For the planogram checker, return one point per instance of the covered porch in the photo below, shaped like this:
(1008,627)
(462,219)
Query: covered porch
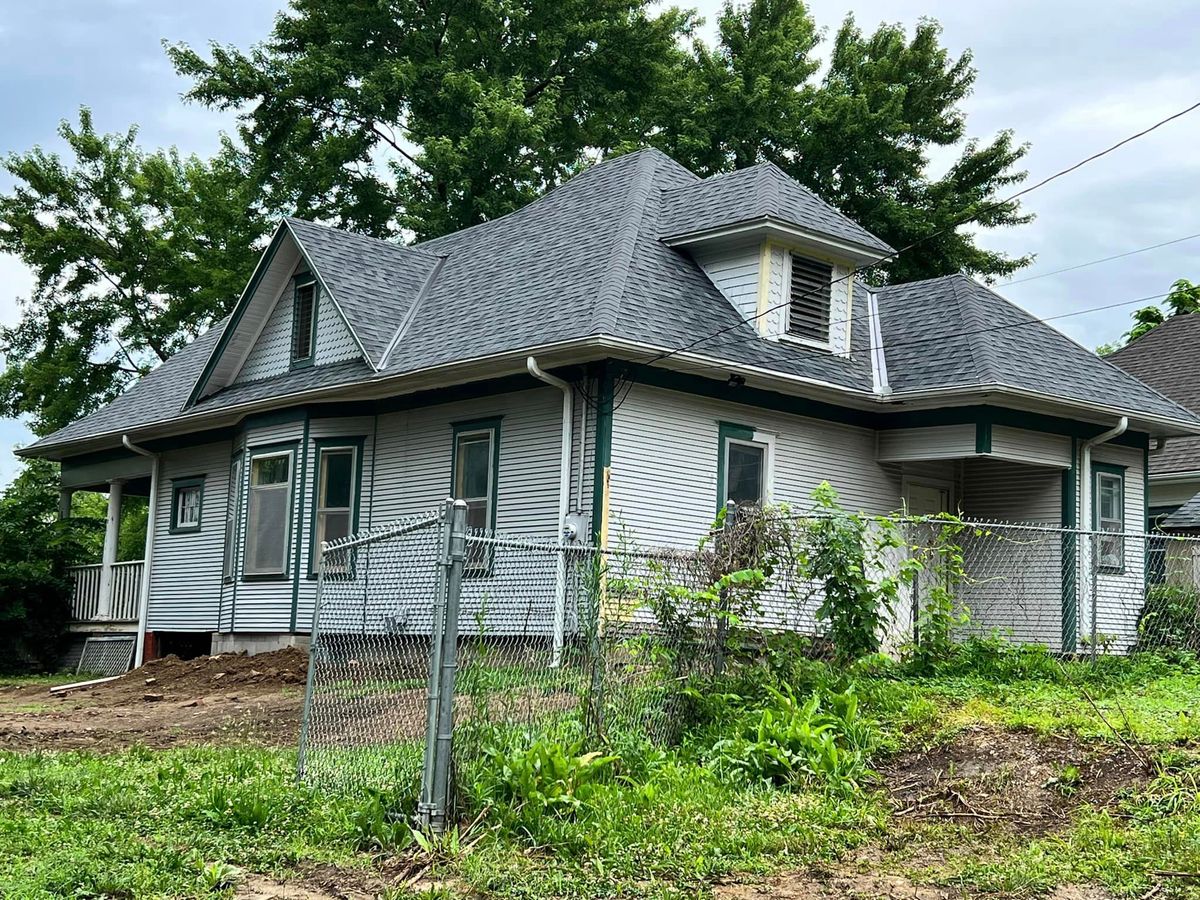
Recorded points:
(108,593)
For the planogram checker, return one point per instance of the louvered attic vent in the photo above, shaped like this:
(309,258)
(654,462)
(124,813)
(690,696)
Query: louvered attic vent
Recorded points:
(808,309)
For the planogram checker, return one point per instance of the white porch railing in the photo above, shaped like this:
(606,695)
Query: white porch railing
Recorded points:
(126,586)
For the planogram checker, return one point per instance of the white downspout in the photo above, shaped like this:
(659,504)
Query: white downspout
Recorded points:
(564,501)
(1086,518)
(139,650)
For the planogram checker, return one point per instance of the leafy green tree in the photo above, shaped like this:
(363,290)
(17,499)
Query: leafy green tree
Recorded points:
(426,116)
(35,550)
(861,136)
(133,253)
(432,115)
(1183,299)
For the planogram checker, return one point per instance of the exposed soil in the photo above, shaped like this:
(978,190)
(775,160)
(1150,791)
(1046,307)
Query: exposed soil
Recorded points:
(986,777)
(846,885)
(168,702)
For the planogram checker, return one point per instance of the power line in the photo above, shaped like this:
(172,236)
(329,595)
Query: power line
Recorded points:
(961,221)
(1096,262)
(955,335)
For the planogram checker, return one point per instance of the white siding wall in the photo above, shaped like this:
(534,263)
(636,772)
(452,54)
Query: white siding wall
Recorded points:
(1120,596)
(734,270)
(271,354)
(663,489)
(265,605)
(937,442)
(185,579)
(1033,447)
(1002,491)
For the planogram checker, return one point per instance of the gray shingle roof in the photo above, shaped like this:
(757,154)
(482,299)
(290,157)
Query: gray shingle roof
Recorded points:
(955,332)
(1186,518)
(757,192)
(375,283)
(1165,358)
(588,260)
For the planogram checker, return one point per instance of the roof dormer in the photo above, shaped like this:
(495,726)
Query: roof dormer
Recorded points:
(782,256)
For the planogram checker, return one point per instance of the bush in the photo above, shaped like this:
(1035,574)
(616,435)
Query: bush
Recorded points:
(1170,619)
(35,607)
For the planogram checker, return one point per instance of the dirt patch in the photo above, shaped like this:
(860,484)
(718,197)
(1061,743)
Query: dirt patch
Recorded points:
(986,777)
(320,881)
(845,885)
(168,702)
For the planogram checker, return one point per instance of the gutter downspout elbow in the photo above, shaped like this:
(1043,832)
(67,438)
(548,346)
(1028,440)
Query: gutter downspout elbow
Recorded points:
(1085,515)
(139,650)
(564,501)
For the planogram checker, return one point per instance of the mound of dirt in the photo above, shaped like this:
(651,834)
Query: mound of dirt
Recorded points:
(990,777)
(172,678)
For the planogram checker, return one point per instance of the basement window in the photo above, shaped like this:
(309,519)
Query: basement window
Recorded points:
(304,314)
(809,300)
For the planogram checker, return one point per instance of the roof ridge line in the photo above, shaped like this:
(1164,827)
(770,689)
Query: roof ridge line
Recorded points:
(381,242)
(411,313)
(616,271)
(980,352)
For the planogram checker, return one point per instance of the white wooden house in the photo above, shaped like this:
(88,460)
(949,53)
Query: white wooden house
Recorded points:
(640,341)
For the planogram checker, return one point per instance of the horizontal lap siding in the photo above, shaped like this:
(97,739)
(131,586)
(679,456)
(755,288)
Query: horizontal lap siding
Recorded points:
(1120,596)
(664,464)
(1031,446)
(412,475)
(735,272)
(1015,578)
(938,442)
(323,430)
(266,605)
(185,579)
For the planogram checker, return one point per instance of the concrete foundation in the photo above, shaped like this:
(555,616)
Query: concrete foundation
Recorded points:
(250,644)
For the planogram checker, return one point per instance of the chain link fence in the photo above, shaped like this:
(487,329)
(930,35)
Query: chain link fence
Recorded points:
(431,641)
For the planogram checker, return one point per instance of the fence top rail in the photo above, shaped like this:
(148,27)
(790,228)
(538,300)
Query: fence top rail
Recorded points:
(384,532)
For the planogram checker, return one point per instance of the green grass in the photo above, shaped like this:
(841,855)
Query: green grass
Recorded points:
(660,823)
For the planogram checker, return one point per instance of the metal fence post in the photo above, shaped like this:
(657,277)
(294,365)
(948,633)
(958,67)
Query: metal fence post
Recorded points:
(314,655)
(426,808)
(1094,588)
(445,715)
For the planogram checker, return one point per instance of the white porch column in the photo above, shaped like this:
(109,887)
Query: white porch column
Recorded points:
(112,532)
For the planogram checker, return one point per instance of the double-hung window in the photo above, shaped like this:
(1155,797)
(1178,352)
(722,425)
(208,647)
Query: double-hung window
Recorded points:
(304,314)
(476,464)
(1109,504)
(743,466)
(268,513)
(187,500)
(337,468)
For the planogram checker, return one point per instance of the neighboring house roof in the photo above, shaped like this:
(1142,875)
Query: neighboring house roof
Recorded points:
(1165,358)
(955,332)
(587,263)
(1186,518)
(759,192)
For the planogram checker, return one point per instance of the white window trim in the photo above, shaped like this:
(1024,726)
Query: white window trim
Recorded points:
(318,509)
(287,519)
(490,434)
(180,493)
(763,439)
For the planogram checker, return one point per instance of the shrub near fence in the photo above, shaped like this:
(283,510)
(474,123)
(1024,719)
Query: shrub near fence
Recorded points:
(433,645)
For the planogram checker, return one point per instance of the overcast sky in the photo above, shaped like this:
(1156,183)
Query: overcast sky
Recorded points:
(1068,77)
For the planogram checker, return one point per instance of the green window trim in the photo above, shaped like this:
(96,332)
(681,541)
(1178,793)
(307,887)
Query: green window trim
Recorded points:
(1110,470)
(178,485)
(727,431)
(233,517)
(481,567)
(321,446)
(300,283)
(252,454)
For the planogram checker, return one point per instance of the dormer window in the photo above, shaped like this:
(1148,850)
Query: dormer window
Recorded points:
(304,310)
(810,300)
